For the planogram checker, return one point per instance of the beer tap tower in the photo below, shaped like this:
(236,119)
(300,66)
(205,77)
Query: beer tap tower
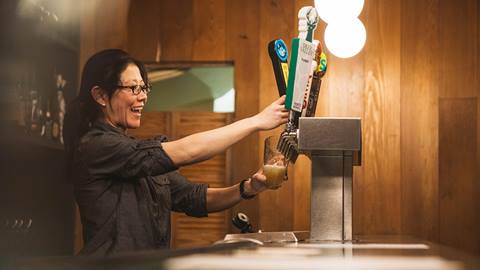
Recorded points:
(333,144)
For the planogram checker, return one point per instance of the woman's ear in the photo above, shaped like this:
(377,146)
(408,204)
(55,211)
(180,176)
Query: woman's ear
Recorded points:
(99,95)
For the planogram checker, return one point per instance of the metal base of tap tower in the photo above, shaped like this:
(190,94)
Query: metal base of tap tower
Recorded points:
(334,147)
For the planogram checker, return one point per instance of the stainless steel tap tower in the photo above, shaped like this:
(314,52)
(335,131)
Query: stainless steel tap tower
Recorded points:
(334,146)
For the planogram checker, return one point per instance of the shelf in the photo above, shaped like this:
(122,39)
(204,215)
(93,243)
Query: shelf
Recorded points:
(40,141)
(16,135)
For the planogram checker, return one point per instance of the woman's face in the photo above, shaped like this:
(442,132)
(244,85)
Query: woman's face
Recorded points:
(124,108)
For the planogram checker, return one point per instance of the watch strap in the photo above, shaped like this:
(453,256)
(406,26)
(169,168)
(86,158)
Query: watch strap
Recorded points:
(242,191)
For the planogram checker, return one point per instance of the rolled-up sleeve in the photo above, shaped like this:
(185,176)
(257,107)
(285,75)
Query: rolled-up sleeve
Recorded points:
(126,157)
(187,197)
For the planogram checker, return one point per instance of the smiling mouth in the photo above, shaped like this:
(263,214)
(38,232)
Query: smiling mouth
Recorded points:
(137,109)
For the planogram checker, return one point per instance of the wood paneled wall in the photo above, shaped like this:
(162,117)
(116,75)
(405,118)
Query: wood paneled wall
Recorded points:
(439,121)
(415,85)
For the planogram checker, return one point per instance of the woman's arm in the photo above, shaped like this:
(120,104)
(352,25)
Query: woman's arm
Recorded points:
(219,199)
(204,145)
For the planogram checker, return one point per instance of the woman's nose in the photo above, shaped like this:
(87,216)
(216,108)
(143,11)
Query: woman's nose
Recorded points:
(142,96)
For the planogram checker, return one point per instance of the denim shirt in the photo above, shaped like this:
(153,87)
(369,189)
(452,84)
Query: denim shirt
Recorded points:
(125,189)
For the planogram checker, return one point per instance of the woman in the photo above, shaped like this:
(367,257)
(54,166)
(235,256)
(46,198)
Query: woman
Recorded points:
(126,187)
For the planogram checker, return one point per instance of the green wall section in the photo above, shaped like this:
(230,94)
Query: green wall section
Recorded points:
(195,90)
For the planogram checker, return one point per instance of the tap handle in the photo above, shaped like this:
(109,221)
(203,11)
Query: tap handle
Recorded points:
(278,52)
(241,222)
(320,68)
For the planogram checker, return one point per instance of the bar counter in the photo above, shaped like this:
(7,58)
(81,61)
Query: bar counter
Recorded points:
(395,252)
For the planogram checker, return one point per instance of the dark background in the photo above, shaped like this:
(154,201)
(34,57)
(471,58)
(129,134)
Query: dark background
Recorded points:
(38,41)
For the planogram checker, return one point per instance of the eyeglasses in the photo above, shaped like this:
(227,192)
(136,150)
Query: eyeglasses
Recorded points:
(136,89)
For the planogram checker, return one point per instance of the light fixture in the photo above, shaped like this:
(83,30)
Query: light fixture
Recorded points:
(345,38)
(345,34)
(332,10)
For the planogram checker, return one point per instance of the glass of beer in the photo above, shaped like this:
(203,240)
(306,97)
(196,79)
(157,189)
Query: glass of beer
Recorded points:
(274,164)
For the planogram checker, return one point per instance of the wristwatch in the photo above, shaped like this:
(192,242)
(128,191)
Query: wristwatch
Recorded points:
(242,191)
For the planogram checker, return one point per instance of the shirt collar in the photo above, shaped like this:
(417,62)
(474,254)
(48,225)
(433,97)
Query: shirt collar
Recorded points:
(101,125)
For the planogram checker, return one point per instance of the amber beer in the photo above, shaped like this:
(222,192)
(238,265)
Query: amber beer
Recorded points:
(274,166)
(275,175)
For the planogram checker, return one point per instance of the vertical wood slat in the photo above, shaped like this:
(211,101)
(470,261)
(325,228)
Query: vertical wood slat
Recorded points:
(144,30)
(458,173)
(176,30)
(458,46)
(377,182)
(419,126)
(275,23)
(242,23)
(458,124)
(87,24)
(153,124)
(477,183)
(209,30)
(212,172)
(195,232)
(300,174)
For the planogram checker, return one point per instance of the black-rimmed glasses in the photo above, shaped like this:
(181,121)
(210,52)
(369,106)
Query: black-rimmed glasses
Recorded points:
(136,89)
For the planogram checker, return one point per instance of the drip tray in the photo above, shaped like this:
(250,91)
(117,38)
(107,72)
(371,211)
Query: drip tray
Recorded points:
(268,237)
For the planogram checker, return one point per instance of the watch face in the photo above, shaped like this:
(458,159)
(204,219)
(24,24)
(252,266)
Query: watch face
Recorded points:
(281,50)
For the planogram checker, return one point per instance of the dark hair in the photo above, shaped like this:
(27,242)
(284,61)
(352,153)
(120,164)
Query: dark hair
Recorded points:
(103,69)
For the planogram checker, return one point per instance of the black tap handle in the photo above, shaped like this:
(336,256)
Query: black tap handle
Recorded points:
(278,52)
(241,222)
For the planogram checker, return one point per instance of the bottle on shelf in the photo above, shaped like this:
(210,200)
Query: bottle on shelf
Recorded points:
(58,124)
(40,116)
(47,123)
(20,94)
(35,112)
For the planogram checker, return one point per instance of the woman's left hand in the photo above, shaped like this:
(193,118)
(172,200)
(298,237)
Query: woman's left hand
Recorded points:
(257,183)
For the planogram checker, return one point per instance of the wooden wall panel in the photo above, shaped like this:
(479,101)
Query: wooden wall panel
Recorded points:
(209,30)
(196,232)
(442,44)
(242,48)
(144,30)
(190,231)
(458,173)
(419,113)
(103,25)
(457,39)
(458,125)
(154,124)
(477,79)
(275,23)
(376,184)
(300,174)
(176,30)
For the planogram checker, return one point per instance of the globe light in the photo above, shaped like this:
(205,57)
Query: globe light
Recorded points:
(332,10)
(345,38)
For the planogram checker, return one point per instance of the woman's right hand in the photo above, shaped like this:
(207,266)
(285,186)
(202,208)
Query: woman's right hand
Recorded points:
(272,116)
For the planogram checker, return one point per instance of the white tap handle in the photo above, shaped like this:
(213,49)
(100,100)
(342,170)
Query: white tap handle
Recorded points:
(307,21)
